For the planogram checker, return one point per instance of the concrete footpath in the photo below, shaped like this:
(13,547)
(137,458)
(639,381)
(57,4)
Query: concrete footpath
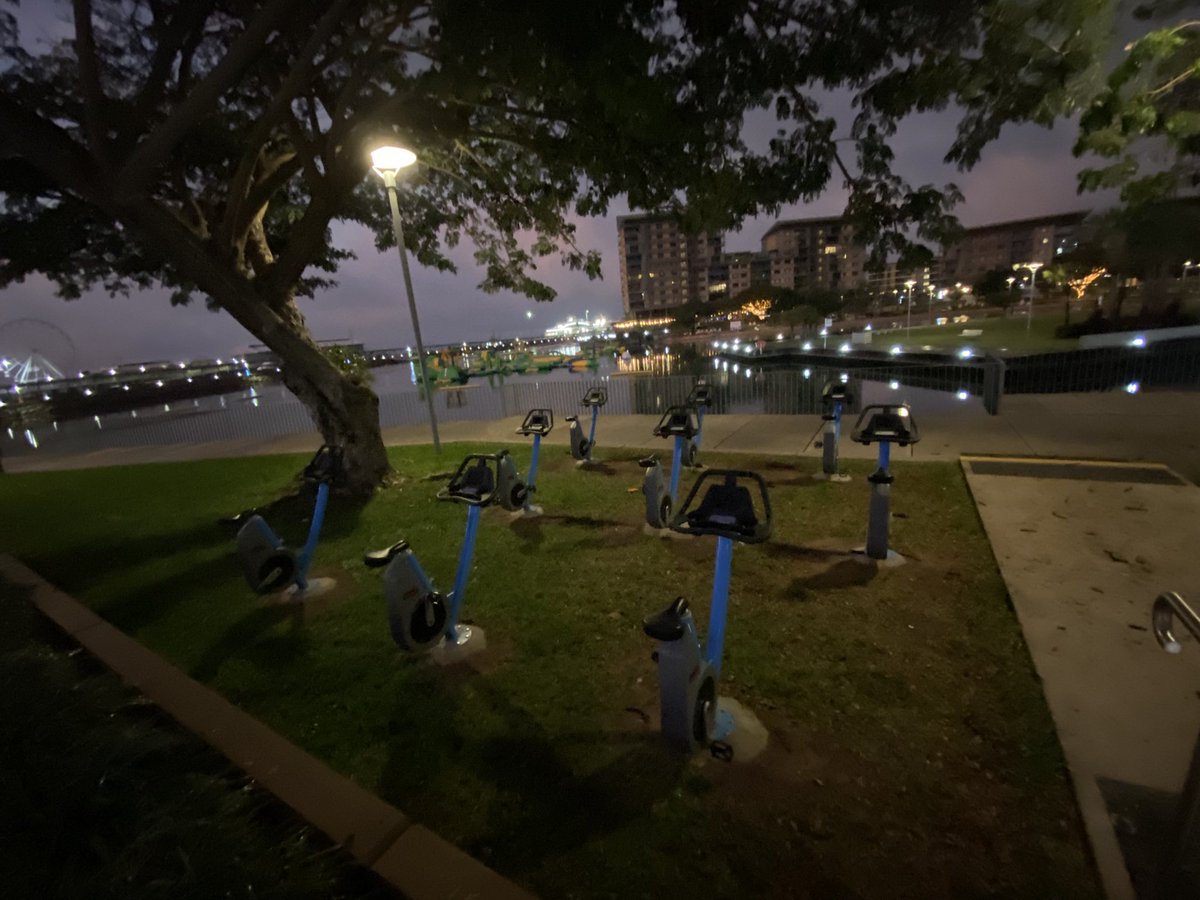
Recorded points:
(1159,427)
(1084,549)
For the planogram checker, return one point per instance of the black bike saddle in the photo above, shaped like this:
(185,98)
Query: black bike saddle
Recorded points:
(377,559)
(667,625)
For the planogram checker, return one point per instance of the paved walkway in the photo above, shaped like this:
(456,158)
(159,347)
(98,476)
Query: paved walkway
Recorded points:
(1083,559)
(1160,427)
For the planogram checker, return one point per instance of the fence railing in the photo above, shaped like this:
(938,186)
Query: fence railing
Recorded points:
(784,383)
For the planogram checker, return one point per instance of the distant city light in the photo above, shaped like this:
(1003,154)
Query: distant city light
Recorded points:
(160,384)
(747,373)
(894,384)
(845,348)
(807,345)
(1138,341)
(1133,387)
(868,328)
(965,353)
(896,350)
(844,377)
(808,373)
(962,394)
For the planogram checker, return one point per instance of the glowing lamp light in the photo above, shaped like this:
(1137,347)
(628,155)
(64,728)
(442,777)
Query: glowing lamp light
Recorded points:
(747,373)
(844,377)
(807,345)
(868,328)
(894,384)
(808,373)
(1133,387)
(1138,341)
(962,394)
(964,353)
(391,159)
(896,350)
(845,348)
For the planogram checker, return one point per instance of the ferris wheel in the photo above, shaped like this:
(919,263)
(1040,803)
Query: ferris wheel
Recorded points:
(33,351)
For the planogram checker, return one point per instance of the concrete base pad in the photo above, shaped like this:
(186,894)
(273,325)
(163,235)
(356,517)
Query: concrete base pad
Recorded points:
(471,641)
(893,558)
(749,737)
(650,531)
(317,587)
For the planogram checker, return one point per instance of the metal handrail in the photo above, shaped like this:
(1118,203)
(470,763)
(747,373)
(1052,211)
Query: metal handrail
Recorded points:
(1167,607)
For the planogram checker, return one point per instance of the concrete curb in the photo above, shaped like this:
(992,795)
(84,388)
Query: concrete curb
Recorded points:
(414,860)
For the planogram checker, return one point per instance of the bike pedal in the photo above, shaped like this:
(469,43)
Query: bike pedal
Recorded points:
(721,750)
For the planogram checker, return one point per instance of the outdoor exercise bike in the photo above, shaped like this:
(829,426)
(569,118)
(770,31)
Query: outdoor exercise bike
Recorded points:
(692,716)
(419,616)
(511,491)
(682,423)
(270,565)
(700,398)
(835,397)
(539,423)
(581,447)
(883,424)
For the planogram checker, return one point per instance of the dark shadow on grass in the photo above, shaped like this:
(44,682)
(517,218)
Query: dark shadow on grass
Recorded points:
(529,531)
(250,638)
(289,516)
(780,550)
(146,604)
(560,810)
(800,480)
(556,809)
(845,574)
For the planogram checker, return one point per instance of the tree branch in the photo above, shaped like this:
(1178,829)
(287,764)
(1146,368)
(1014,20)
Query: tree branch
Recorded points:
(89,81)
(142,164)
(50,150)
(305,239)
(298,77)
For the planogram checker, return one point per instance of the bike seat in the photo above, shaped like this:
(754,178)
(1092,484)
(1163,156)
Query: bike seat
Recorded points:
(727,507)
(649,462)
(377,559)
(667,625)
(572,418)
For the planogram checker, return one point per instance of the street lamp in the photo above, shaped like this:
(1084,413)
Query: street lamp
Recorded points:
(1187,266)
(387,162)
(1033,270)
(908,305)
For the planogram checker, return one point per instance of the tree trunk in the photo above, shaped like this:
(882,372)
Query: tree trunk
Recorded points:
(345,411)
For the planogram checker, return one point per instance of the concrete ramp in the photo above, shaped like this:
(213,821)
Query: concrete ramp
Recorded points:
(1084,547)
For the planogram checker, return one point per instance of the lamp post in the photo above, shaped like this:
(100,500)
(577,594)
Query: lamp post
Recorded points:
(1033,270)
(1187,266)
(387,162)
(908,307)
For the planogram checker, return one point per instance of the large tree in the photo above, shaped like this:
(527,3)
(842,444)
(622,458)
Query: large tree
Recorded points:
(208,145)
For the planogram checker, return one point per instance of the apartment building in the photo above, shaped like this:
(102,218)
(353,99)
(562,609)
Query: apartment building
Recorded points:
(1004,244)
(811,254)
(661,266)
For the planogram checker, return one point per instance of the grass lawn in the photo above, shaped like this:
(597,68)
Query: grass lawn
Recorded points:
(103,797)
(911,751)
(1002,335)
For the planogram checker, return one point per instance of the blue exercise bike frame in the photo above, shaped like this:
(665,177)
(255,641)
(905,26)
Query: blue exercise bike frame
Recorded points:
(267,563)
(692,716)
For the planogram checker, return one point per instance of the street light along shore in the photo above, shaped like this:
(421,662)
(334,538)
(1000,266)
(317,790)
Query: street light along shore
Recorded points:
(387,161)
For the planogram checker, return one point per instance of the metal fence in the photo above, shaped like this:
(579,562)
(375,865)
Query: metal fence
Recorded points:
(788,383)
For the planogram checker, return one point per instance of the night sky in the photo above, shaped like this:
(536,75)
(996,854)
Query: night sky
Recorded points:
(1029,171)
